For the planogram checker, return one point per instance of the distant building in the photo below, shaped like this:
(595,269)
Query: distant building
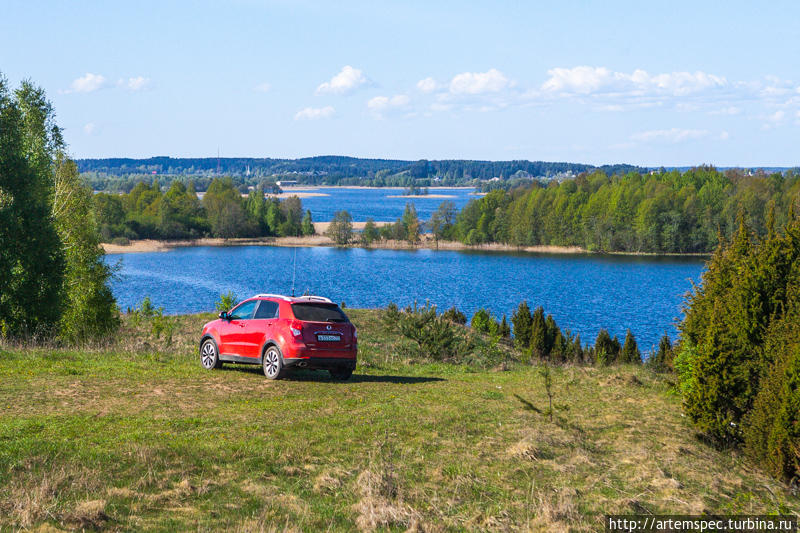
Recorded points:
(286,183)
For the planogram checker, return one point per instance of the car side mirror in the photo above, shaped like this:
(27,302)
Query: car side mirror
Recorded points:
(224,315)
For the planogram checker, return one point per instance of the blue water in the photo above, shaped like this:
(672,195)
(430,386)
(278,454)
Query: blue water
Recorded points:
(583,293)
(376,203)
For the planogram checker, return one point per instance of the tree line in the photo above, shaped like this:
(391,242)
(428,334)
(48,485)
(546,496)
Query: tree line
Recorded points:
(535,336)
(654,212)
(148,212)
(53,280)
(123,173)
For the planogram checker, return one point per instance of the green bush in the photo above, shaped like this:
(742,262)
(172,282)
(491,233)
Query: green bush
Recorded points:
(120,241)
(483,321)
(226,301)
(454,315)
(435,337)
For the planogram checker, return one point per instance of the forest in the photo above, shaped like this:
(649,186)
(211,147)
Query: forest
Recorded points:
(147,212)
(120,174)
(658,212)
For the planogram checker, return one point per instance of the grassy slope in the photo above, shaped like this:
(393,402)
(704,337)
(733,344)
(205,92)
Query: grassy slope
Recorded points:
(139,436)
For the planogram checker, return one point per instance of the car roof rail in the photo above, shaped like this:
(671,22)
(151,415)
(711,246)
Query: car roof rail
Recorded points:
(315,298)
(281,296)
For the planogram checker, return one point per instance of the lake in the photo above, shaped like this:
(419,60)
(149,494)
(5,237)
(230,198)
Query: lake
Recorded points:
(583,292)
(376,203)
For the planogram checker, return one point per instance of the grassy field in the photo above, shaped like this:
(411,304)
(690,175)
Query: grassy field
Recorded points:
(137,436)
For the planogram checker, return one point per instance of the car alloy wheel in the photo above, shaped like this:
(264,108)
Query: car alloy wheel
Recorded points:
(208,355)
(272,363)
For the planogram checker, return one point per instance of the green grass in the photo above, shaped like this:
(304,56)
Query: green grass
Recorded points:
(136,435)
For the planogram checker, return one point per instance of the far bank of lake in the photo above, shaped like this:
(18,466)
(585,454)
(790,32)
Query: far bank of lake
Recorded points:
(320,239)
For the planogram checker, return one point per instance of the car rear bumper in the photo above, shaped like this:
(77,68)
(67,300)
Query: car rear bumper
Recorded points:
(348,362)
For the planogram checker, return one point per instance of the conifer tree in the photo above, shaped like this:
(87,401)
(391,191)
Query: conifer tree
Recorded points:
(308,224)
(505,329)
(538,342)
(630,351)
(606,349)
(577,350)
(553,332)
(522,321)
(661,361)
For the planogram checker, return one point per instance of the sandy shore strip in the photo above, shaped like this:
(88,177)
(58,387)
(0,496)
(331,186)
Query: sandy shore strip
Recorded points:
(427,242)
(299,194)
(421,196)
(290,188)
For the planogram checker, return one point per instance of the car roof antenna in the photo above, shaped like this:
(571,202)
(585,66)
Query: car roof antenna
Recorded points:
(294,269)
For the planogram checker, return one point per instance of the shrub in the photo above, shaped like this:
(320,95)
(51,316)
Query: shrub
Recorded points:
(435,337)
(483,321)
(391,316)
(226,301)
(455,316)
(120,241)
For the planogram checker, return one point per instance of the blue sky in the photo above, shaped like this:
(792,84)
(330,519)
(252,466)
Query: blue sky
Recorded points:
(650,83)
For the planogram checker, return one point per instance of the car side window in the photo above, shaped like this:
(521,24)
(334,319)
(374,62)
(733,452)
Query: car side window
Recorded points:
(267,309)
(244,311)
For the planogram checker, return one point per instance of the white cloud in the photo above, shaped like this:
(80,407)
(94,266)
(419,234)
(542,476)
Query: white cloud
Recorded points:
(139,83)
(314,113)
(89,128)
(673,135)
(730,110)
(262,87)
(491,81)
(428,85)
(381,104)
(582,80)
(88,83)
(346,81)
(777,116)
(586,80)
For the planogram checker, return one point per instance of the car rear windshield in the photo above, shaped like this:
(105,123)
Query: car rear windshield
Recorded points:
(319,312)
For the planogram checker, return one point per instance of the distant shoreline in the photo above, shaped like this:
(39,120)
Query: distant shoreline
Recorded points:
(427,243)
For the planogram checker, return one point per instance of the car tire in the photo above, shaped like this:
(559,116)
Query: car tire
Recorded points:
(272,363)
(209,355)
(341,374)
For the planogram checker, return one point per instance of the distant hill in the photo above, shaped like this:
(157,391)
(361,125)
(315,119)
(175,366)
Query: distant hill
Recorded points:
(332,169)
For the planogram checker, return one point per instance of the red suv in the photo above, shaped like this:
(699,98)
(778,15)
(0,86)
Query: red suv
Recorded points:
(279,332)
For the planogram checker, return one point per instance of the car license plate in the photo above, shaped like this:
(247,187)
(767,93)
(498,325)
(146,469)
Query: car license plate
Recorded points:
(329,338)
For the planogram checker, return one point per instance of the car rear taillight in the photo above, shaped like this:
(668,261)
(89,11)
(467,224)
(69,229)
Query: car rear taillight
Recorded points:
(296,328)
